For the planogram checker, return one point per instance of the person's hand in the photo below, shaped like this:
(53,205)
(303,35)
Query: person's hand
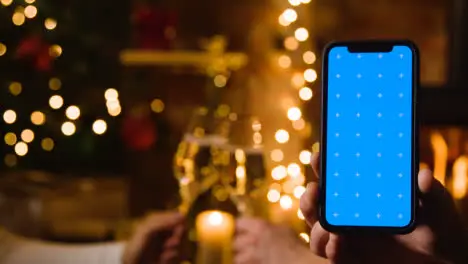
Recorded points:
(155,240)
(259,242)
(439,234)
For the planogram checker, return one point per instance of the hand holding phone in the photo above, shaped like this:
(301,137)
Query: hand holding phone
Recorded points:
(369,150)
(439,237)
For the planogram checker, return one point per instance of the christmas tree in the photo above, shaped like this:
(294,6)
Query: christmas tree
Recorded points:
(58,101)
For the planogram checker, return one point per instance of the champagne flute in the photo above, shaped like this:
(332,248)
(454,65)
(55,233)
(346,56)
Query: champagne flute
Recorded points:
(242,165)
(193,159)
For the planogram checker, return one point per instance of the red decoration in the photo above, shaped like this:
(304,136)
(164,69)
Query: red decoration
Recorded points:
(35,48)
(139,132)
(154,28)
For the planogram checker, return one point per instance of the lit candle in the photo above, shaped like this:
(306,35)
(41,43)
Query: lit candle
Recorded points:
(214,230)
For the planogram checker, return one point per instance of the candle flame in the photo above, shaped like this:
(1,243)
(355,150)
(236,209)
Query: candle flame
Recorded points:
(440,149)
(460,168)
(215,219)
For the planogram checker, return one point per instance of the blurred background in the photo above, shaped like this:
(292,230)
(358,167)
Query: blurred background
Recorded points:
(100,100)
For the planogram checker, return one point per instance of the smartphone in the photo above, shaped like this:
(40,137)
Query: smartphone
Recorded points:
(369,150)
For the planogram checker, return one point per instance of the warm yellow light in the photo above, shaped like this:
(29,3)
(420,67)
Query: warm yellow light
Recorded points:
(284,61)
(305,93)
(290,15)
(6,2)
(220,80)
(47,144)
(282,21)
(11,160)
(55,51)
(275,186)
(257,138)
(38,118)
(9,116)
(10,138)
(56,101)
(3,49)
(440,150)
(282,136)
(300,215)
(73,112)
(291,43)
(288,187)
(294,2)
(55,84)
(305,237)
(276,155)
(30,11)
(460,177)
(29,1)
(157,106)
(18,18)
(68,128)
(273,196)
(224,110)
(215,218)
(114,111)
(305,157)
(294,170)
(294,113)
(310,75)
(21,148)
(299,191)
(297,80)
(301,34)
(27,135)
(423,166)
(316,147)
(306,1)
(279,172)
(286,202)
(299,124)
(99,126)
(111,94)
(50,23)
(309,57)
(15,88)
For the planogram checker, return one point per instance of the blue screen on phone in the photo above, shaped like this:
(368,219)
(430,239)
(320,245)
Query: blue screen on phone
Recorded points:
(369,138)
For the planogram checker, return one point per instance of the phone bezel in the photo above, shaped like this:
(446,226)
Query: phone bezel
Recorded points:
(362,47)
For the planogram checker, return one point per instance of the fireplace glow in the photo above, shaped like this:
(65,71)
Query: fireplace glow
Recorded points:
(440,149)
(459,183)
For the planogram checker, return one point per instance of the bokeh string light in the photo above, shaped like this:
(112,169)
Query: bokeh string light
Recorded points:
(23,13)
(289,179)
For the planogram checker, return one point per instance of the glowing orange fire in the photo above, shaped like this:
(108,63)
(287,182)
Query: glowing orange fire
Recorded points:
(459,184)
(440,150)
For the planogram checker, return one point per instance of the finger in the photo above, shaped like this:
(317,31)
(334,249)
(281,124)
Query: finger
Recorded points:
(156,223)
(169,256)
(250,225)
(308,203)
(162,220)
(244,241)
(425,180)
(315,163)
(172,242)
(318,240)
(247,256)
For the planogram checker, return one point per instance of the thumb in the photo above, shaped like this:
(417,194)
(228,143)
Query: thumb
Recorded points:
(308,203)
